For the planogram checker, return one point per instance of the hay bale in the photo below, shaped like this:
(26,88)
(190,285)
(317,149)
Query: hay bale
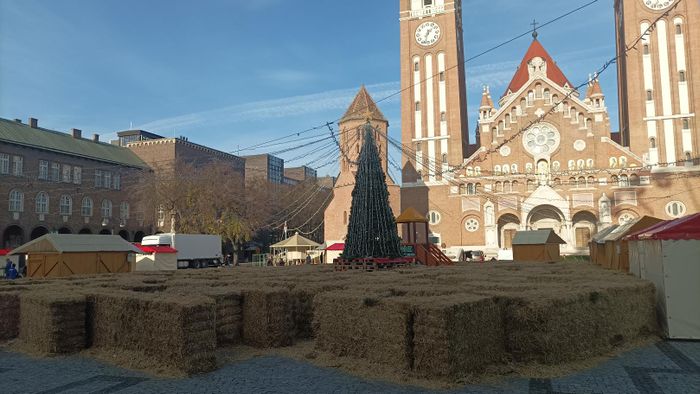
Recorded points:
(361,325)
(268,319)
(456,336)
(229,314)
(9,316)
(584,324)
(53,322)
(172,332)
(303,307)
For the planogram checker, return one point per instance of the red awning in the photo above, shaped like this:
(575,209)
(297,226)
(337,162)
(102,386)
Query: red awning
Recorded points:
(336,247)
(156,249)
(685,228)
(4,252)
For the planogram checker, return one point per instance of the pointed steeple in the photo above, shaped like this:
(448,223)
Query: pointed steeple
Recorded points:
(363,107)
(486,101)
(553,71)
(594,89)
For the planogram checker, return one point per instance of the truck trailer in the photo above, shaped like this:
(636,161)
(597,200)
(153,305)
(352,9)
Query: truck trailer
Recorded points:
(193,250)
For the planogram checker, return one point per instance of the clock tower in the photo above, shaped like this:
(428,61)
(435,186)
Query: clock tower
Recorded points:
(659,91)
(433,100)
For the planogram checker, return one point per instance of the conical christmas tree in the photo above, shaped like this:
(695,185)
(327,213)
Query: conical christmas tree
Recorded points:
(372,231)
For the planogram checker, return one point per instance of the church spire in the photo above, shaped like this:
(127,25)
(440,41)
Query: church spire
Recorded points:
(486,106)
(363,107)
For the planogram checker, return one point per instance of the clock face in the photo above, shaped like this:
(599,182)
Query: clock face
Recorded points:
(658,4)
(427,34)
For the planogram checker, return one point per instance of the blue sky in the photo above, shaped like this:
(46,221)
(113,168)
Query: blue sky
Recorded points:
(233,73)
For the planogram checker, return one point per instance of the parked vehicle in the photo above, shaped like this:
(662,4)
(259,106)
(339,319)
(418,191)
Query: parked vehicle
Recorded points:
(193,250)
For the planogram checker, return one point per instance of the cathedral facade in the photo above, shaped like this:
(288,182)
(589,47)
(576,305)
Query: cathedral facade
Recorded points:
(545,155)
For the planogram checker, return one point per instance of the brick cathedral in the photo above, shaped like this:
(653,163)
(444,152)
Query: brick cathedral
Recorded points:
(545,155)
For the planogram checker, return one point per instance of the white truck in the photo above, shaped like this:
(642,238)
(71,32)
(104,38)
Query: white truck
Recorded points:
(193,250)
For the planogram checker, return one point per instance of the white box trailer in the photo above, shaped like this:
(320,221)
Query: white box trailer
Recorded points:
(193,250)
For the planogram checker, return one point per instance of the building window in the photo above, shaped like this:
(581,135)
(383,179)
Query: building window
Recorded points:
(443,117)
(497,170)
(652,143)
(634,180)
(624,181)
(686,124)
(66,173)
(471,225)
(675,209)
(77,175)
(591,181)
(417,106)
(55,172)
(623,162)
(107,182)
(681,76)
(43,170)
(530,98)
(613,162)
(427,3)
(98,179)
(513,168)
(117,182)
(547,96)
(42,203)
(106,210)
(679,29)
(66,206)
(16,201)
(18,165)
(650,95)
(530,185)
(416,66)
(86,208)
(471,189)
(477,171)
(434,217)
(4,163)
(646,49)
(581,183)
(124,211)
(442,76)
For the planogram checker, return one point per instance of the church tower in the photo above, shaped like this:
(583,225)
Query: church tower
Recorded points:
(433,100)
(658,91)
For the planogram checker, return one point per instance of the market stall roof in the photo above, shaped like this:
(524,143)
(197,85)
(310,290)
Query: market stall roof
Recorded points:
(685,228)
(77,243)
(411,215)
(599,237)
(4,252)
(632,227)
(538,237)
(336,247)
(296,242)
(156,249)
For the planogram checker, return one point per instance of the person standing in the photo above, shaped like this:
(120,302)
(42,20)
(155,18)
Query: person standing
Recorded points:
(12,273)
(8,265)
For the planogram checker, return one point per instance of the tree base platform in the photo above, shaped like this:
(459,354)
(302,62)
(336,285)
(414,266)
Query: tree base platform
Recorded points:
(372,264)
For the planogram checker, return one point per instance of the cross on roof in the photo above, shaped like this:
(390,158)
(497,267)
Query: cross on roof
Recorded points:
(534,25)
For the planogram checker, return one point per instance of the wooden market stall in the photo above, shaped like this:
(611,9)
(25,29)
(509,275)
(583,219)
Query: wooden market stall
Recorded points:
(156,258)
(617,248)
(295,248)
(667,255)
(60,255)
(596,246)
(415,232)
(537,246)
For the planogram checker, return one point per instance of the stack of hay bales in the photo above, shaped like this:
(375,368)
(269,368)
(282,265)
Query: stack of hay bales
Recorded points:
(52,322)
(9,316)
(268,319)
(170,332)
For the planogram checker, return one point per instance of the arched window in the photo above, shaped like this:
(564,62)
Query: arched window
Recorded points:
(499,187)
(613,162)
(514,186)
(528,168)
(462,189)
(477,171)
(507,187)
(124,210)
(589,163)
(589,123)
(572,182)
(634,180)
(547,97)
(497,170)
(523,104)
(42,203)
(623,162)
(513,168)
(434,217)
(106,210)
(471,190)
(614,180)
(470,171)
(444,158)
(652,143)
(66,205)
(580,164)
(86,207)
(624,181)
(16,201)
(477,187)
(557,182)
(581,182)
(591,182)
(505,169)
(556,166)
(572,165)
(530,98)
(507,119)
(530,185)
(513,114)
(675,209)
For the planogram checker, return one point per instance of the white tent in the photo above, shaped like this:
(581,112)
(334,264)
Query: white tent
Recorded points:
(667,255)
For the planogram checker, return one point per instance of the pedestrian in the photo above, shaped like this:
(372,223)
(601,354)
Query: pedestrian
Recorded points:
(308,259)
(8,265)
(12,272)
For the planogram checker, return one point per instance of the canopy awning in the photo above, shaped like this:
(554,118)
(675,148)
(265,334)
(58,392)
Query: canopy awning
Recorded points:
(685,228)
(4,252)
(336,247)
(296,242)
(156,249)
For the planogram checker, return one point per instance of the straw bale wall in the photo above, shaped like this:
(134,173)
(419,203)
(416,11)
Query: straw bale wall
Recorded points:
(268,319)
(52,322)
(9,316)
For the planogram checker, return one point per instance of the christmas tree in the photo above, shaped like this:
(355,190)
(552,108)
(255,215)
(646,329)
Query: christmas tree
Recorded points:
(372,231)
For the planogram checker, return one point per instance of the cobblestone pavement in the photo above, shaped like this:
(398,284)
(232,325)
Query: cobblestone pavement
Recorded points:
(667,367)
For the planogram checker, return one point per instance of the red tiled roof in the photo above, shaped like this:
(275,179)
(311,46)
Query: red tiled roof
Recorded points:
(362,107)
(522,76)
(594,89)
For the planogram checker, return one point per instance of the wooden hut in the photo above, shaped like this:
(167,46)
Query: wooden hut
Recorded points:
(597,245)
(617,248)
(537,246)
(60,255)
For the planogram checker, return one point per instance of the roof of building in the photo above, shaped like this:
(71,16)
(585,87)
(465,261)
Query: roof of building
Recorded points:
(486,101)
(599,237)
(39,138)
(594,89)
(522,75)
(411,215)
(336,247)
(631,227)
(538,237)
(362,107)
(685,228)
(296,241)
(76,243)
(4,252)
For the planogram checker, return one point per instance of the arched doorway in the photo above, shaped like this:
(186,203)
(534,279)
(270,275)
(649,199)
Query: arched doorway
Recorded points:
(584,228)
(12,237)
(64,230)
(138,237)
(85,231)
(546,217)
(508,225)
(124,234)
(38,232)
(105,232)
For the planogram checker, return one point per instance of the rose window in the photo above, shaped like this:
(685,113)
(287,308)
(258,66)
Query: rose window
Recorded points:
(471,225)
(541,139)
